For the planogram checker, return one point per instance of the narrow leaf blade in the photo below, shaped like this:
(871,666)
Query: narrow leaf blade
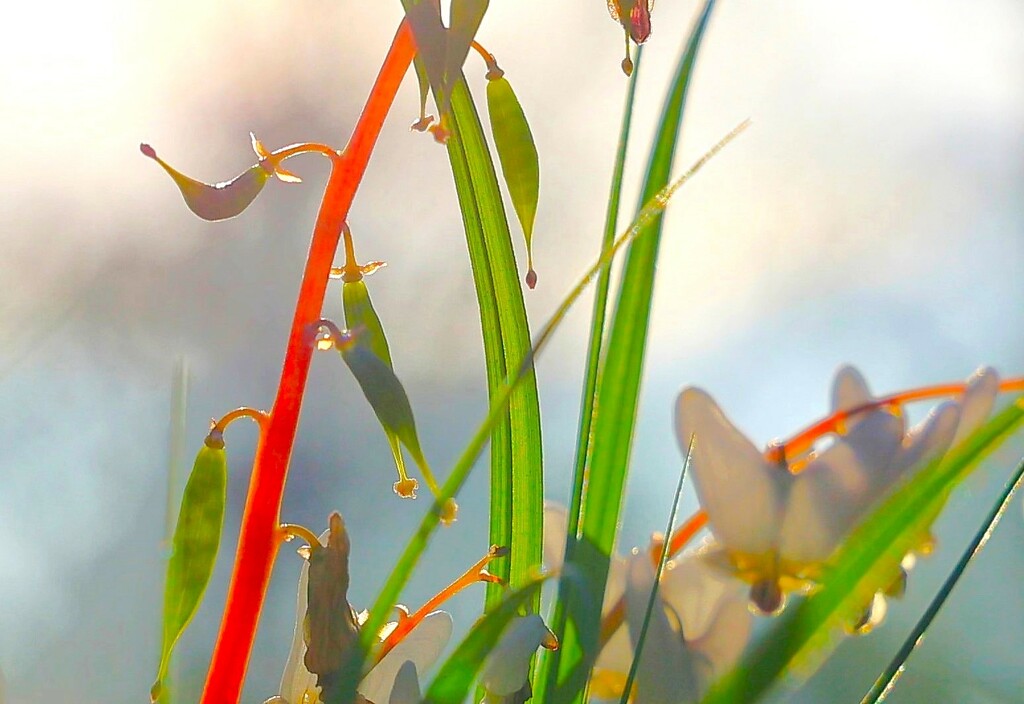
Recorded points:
(619,387)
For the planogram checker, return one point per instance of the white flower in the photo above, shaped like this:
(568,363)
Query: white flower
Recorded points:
(699,630)
(776,526)
(393,680)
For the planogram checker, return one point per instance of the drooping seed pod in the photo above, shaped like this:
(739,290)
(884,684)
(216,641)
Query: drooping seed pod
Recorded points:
(517,153)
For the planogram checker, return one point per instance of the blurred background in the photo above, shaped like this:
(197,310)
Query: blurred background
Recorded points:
(872,214)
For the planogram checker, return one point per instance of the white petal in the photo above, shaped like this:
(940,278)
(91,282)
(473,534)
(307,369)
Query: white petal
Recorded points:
(929,439)
(666,673)
(407,685)
(298,682)
(508,665)
(422,646)
(556,523)
(977,401)
(849,389)
(617,653)
(836,488)
(616,585)
(725,640)
(695,591)
(741,493)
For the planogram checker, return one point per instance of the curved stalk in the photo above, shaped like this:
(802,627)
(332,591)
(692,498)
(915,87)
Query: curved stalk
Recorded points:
(258,538)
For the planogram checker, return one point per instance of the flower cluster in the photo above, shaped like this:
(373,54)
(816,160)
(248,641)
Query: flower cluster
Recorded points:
(775,518)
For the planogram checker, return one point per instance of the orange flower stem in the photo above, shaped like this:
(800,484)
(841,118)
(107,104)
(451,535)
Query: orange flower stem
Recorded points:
(259,536)
(803,440)
(304,148)
(476,573)
(257,416)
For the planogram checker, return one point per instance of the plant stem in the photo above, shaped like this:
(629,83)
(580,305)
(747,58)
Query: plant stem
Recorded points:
(259,537)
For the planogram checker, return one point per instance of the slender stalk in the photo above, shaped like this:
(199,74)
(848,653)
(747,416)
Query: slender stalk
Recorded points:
(259,537)
(550,659)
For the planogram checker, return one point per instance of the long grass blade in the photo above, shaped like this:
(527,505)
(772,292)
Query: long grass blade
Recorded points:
(548,664)
(517,501)
(517,517)
(887,680)
(619,388)
(402,571)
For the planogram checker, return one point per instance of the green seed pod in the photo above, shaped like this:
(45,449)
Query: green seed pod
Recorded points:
(195,544)
(383,390)
(359,312)
(518,155)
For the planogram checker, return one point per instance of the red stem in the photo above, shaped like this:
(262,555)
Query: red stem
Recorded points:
(259,538)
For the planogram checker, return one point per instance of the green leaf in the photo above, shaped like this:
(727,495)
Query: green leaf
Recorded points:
(862,565)
(441,51)
(196,540)
(518,155)
(454,679)
(431,37)
(517,502)
(619,389)
(517,499)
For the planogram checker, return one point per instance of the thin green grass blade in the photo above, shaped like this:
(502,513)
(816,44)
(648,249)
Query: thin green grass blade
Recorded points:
(653,598)
(516,511)
(887,680)
(454,679)
(175,471)
(403,569)
(518,516)
(548,662)
(860,565)
(619,387)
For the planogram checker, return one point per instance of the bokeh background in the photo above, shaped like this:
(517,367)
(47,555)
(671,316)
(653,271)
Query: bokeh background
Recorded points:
(872,214)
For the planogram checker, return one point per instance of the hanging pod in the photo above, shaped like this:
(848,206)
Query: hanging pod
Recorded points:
(391,404)
(195,544)
(517,153)
(359,312)
(382,389)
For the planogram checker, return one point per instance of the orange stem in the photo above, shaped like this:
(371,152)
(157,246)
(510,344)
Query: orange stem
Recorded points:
(474,574)
(258,538)
(805,439)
